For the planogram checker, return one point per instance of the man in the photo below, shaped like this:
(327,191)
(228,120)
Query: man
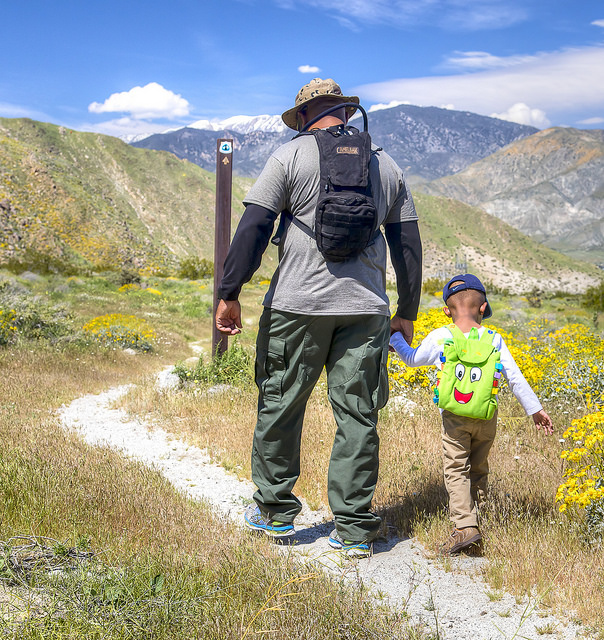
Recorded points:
(319,313)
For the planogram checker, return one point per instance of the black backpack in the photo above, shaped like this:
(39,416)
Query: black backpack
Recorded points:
(346,219)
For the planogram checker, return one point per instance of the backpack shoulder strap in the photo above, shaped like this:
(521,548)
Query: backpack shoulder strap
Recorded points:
(487,336)
(291,218)
(456,333)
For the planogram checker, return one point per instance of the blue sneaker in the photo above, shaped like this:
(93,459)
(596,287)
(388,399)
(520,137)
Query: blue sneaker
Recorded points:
(351,549)
(256,521)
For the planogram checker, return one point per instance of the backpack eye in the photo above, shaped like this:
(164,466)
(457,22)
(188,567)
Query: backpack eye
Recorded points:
(459,370)
(475,374)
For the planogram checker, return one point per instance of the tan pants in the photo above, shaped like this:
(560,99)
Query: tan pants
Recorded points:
(466,445)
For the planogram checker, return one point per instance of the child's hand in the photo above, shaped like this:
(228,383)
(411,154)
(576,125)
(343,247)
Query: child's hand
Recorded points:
(404,326)
(542,420)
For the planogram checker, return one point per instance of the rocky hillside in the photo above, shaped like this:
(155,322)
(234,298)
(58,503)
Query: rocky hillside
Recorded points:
(550,186)
(72,201)
(426,141)
(458,237)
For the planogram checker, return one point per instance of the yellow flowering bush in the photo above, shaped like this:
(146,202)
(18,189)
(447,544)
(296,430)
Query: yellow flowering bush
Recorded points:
(131,286)
(564,366)
(8,325)
(583,485)
(403,377)
(116,329)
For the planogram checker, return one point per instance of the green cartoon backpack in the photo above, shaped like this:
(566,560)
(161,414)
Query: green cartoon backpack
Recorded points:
(468,382)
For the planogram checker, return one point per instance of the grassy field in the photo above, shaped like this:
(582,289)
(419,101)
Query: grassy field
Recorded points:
(97,546)
(165,567)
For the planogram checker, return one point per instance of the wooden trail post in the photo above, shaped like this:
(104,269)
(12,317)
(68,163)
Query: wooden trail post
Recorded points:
(222,233)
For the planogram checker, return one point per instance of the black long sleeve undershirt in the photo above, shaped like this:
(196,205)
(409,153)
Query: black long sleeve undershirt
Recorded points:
(405,246)
(245,254)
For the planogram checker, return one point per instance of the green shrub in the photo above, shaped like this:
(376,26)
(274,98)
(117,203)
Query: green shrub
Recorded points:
(235,366)
(594,297)
(31,317)
(534,298)
(129,276)
(433,285)
(194,268)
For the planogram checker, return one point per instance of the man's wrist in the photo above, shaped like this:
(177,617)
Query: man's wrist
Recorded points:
(406,315)
(227,295)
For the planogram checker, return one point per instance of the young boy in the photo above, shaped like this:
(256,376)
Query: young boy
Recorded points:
(467,440)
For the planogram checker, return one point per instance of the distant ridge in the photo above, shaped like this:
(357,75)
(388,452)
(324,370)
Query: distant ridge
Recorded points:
(427,142)
(76,202)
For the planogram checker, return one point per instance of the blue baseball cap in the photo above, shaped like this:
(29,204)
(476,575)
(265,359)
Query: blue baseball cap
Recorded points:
(463,282)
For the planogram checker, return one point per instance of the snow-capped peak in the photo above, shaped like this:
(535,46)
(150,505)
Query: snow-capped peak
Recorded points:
(129,138)
(242,124)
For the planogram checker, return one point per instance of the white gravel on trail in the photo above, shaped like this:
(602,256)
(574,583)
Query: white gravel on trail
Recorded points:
(455,603)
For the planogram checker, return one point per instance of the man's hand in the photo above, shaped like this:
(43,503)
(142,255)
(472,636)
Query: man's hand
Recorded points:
(228,317)
(404,326)
(543,421)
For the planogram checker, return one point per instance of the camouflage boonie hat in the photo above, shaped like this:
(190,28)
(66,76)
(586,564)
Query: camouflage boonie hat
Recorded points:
(316,88)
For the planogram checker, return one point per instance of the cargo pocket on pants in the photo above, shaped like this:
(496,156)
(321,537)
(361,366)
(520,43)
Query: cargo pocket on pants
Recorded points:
(271,368)
(380,395)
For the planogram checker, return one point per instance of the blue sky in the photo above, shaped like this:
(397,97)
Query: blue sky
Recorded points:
(141,66)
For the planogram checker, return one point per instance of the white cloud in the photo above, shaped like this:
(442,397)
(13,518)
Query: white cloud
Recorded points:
(380,105)
(596,120)
(553,83)
(598,23)
(523,114)
(468,60)
(307,68)
(455,15)
(144,103)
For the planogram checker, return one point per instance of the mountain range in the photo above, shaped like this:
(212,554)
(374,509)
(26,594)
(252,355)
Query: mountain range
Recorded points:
(427,142)
(547,184)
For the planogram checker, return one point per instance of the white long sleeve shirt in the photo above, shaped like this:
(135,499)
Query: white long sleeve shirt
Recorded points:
(428,354)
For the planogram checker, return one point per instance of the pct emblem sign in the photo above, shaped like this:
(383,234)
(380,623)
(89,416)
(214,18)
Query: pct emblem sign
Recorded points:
(226,147)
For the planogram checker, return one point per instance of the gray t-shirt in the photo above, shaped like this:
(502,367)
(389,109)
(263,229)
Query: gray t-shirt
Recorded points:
(304,281)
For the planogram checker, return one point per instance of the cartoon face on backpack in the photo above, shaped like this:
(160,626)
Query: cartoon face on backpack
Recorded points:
(468,382)
(467,377)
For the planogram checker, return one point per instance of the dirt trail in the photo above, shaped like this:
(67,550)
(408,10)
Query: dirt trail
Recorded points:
(455,603)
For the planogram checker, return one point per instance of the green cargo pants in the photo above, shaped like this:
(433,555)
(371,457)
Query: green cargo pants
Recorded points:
(291,352)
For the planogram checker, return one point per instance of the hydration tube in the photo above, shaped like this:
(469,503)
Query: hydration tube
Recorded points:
(335,108)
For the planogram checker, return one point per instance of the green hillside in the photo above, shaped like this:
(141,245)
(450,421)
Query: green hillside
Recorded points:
(80,202)
(72,201)
(453,231)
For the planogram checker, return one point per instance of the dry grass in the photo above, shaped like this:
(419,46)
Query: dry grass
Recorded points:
(164,566)
(532,549)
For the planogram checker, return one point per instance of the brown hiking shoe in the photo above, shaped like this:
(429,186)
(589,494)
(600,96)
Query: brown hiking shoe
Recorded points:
(461,539)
